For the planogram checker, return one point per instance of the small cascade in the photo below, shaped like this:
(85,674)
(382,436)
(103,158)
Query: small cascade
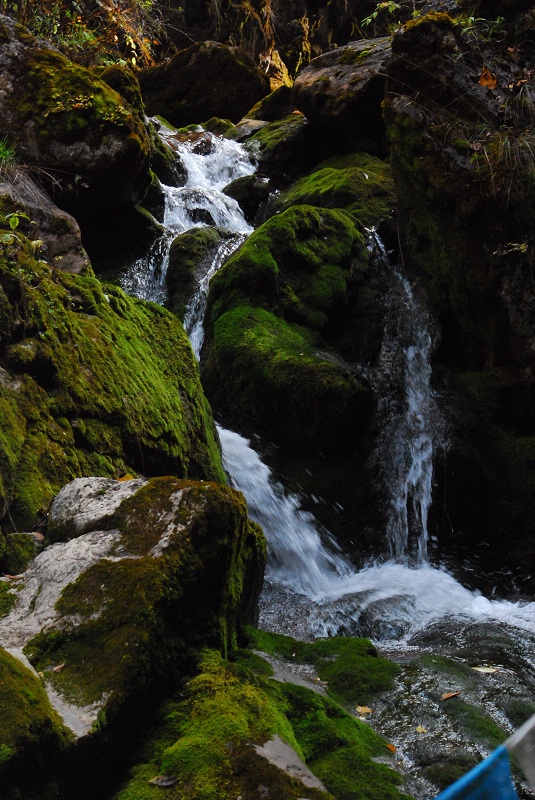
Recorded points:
(411,420)
(209,163)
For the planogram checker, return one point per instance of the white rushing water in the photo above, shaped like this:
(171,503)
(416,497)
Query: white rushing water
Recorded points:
(210,163)
(312,590)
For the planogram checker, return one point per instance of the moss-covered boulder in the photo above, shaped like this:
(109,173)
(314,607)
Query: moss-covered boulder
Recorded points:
(91,383)
(68,121)
(155,570)
(271,311)
(113,617)
(359,183)
(342,90)
(189,254)
(32,735)
(276,105)
(205,80)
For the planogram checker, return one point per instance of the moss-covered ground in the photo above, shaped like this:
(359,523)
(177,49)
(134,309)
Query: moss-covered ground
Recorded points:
(204,740)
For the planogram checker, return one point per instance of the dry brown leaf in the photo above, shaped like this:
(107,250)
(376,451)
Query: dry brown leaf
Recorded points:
(487,79)
(392,747)
(364,710)
(127,477)
(38,536)
(58,668)
(447,695)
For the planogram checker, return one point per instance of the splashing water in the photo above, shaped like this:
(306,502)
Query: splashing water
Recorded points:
(199,203)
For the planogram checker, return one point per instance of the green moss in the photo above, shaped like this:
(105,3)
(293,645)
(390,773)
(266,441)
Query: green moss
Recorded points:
(205,741)
(28,721)
(109,385)
(443,775)
(359,183)
(270,308)
(187,253)
(8,598)
(351,667)
(140,619)
(19,550)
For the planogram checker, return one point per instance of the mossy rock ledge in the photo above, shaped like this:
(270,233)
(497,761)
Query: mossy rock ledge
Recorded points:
(272,311)
(92,382)
(155,571)
(64,118)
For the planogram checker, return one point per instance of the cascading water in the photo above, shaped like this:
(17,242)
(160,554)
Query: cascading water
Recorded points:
(210,163)
(409,433)
(311,589)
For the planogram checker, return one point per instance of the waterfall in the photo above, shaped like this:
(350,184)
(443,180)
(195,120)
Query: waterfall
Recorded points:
(210,163)
(410,426)
(311,588)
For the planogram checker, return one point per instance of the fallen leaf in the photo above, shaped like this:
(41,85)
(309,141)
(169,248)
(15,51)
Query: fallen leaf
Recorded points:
(12,577)
(38,536)
(163,780)
(421,729)
(487,79)
(486,669)
(392,747)
(364,710)
(127,477)
(59,668)
(447,695)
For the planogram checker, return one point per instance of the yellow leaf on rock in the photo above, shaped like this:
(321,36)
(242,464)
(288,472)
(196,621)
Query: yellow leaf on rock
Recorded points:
(364,710)
(392,747)
(127,477)
(421,729)
(447,695)
(486,669)
(487,79)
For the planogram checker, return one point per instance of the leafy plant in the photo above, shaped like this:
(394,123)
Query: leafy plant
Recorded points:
(389,5)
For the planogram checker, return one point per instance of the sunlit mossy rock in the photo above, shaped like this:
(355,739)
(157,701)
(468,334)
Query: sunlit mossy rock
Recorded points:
(70,123)
(342,90)
(189,258)
(114,615)
(92,382)
(274,311)
(462,161)
(32,735)
(205,80)
(359,183)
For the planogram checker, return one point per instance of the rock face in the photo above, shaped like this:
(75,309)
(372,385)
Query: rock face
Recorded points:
(459,115)
(91,382)
(67,121)
(205,80)
(155,571)
(58,232)
(342,90)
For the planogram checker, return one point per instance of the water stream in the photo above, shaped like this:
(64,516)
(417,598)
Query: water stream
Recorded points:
(311,589)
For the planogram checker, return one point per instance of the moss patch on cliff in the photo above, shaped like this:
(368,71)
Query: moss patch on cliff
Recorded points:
(92,382)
